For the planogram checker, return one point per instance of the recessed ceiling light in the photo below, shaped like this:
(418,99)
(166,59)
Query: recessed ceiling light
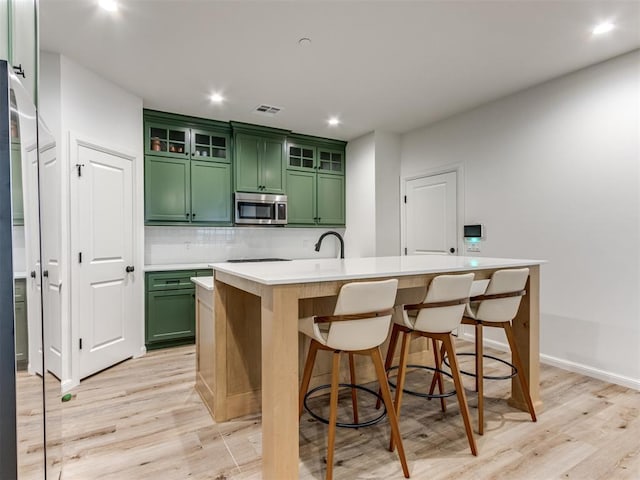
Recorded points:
(603,27)
(333,121)
(216,98)
(109,5)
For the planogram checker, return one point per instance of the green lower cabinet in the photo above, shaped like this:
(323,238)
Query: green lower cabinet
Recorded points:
(166,189)
(210,192)
(330,198)
(21,331)
(301,197)
(170,308)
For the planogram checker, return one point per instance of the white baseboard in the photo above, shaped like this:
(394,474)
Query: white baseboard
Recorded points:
(566,365)
(141,353)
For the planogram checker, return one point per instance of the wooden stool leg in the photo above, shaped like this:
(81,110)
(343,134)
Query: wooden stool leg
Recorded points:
(515,356)
(333,413)
(437,375)
(462,399)
(480,376)
(354,394)
(386,396)
(402,371)
(391,351)
(306,376)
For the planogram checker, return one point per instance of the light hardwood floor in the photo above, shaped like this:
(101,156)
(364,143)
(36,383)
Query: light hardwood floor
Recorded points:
(142,419)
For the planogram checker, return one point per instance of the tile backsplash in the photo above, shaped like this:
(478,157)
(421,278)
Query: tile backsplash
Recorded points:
(168,245)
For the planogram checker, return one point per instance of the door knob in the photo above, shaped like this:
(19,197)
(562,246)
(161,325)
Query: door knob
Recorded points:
(129,268)
(452,250)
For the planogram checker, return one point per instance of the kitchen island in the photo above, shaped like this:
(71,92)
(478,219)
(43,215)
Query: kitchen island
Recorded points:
(256,307)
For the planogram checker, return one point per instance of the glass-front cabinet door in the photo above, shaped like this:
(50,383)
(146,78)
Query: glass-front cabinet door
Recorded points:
(209,146)
(300,157)
(330,161)
(165,140)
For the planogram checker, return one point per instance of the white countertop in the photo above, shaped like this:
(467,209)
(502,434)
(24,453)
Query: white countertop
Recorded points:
(322,270)
(175,266)
(204,282)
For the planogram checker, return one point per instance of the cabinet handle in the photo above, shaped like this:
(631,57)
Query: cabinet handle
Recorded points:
(33,274)
(319,219)
(187,215)
(193,215)
(129,269)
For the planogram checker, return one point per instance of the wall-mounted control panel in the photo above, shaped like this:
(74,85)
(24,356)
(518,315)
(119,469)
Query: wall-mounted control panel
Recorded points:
(473,234)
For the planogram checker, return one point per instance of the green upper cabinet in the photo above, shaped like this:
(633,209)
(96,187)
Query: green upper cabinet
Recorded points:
(210,146)
(166,141)
(301,197)
(210,192)
(315,181)
(166,189)
(187,170)
(301,157)
(330,199)
(259,164)
(330,161)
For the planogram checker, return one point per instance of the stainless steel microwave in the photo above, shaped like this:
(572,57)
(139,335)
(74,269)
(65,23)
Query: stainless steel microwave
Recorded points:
(260,209)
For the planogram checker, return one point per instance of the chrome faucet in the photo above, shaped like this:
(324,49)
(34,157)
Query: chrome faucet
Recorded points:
(331,232)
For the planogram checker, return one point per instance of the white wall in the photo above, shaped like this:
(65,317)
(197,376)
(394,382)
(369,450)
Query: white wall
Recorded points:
(387,193)
(553,172)
(360,235)
(76,101)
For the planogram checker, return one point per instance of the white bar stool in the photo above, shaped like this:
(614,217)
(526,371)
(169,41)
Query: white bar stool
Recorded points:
(495,303)
(439,314)
(359,325)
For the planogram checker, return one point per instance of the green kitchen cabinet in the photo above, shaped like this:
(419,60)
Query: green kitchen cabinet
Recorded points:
(21,331)
(330,199)
(331,161)
(259,163)
(301,197)
(170,308)
(210,192)
(167,189)
(16,184)
(315,181)
(301,157)
(210,146)
(165,140)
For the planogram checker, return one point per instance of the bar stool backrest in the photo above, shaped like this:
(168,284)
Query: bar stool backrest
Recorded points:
(502,309)
(362,297)
(442,289)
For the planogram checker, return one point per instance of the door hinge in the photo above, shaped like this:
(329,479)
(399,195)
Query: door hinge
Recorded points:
(80,342)
(79,167)
(405,250)
(79,257)
(405,199)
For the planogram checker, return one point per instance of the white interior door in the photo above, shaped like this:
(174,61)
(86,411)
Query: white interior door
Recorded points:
(32,253)
(50,219)
(104,202)
(430,214)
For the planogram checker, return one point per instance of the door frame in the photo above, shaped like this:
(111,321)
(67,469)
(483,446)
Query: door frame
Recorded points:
(456,168)
(75,141)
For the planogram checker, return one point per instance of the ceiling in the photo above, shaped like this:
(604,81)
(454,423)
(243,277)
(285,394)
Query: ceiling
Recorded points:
(377,65)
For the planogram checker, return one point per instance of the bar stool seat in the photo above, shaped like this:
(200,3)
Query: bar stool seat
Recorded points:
(359,325)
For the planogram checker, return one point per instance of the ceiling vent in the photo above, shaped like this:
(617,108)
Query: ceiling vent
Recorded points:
(268,110)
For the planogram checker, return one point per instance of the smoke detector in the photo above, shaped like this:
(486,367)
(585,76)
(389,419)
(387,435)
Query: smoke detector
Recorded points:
(268,110)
